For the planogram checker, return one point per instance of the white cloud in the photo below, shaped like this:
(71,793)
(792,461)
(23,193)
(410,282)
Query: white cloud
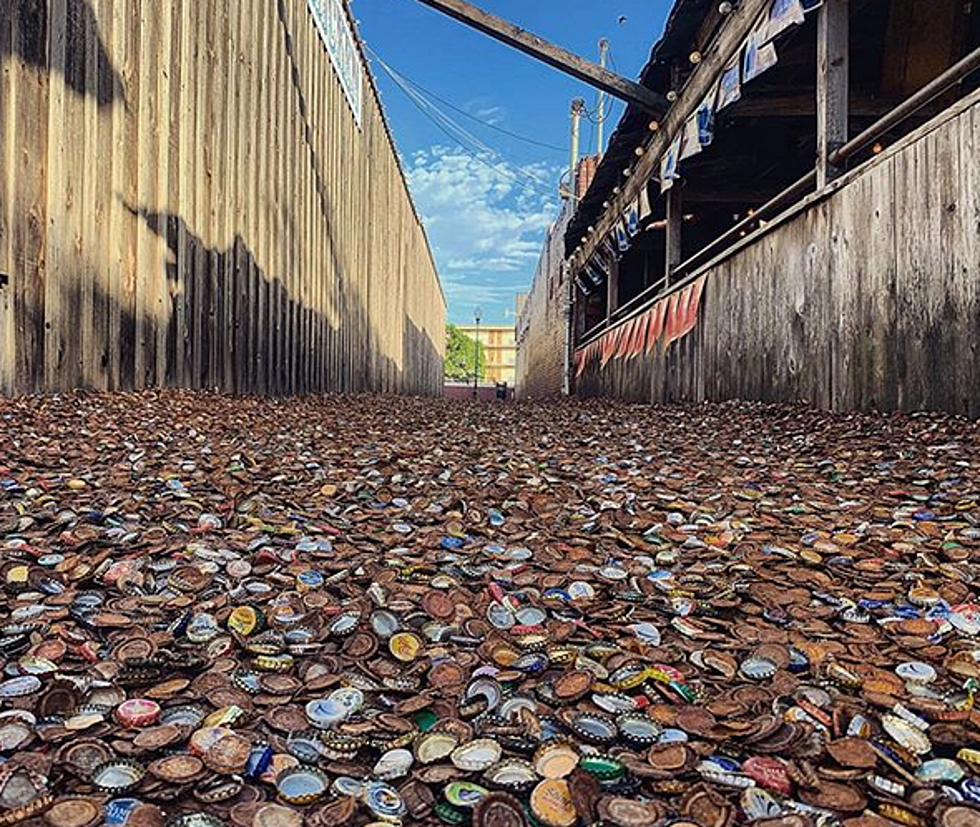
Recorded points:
(486,110)
(486,222)
(493,115)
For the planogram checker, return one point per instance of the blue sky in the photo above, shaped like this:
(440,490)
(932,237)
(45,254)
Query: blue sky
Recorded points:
(486,216)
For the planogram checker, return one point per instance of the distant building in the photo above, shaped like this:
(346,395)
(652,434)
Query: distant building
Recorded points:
(499,349)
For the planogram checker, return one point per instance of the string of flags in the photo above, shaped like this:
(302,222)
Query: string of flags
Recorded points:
(667,321)
(756,56)
(675,316)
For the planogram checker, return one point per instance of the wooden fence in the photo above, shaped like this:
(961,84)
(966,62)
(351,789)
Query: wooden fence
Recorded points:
(187,200)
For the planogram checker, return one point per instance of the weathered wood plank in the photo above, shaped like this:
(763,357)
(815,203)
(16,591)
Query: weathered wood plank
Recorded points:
(129,227)
(8,182)
(175,375)
(164,133)
(60,200)
(119,216)
(833,84)
(30,103)
(186,199)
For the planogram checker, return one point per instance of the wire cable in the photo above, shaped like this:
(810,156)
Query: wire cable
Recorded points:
(449,123)
(446,125)
(487,124)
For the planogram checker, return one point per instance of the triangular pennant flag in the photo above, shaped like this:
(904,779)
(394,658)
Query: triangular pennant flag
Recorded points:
(671,319)
(622,237)
(595,273)
(608,347)
(625,338)
(692,308)
(639,336)
(656,327)
(633,218)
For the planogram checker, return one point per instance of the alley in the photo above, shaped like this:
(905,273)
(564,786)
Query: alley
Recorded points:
(344,610)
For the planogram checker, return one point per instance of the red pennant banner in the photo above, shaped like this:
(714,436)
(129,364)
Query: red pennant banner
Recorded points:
(669,319)
(639,335)
(692,308)
(656,324)
(625,337)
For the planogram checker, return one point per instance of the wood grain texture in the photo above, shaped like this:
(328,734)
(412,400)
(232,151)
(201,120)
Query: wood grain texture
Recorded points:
(833,84)
(186,200)
(865,299)
(540,361)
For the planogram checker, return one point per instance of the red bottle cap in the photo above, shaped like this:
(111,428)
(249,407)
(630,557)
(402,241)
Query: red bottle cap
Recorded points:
(138,712)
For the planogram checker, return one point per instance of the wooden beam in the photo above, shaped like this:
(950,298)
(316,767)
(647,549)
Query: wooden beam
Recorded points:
(736,28)
(833,74)
(554,56)
(803,104)
(612,290)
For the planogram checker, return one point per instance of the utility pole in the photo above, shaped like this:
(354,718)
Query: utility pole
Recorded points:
(603,54)
(476,353)
(578,107)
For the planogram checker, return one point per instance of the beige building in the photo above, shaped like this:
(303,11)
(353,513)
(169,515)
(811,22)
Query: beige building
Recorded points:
(499,349)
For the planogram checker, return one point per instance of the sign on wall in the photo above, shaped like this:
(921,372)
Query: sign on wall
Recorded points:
(335,29)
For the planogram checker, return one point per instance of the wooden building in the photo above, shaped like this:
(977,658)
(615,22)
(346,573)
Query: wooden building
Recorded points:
(801,223)
(542,324)
(542,321)
(204,195)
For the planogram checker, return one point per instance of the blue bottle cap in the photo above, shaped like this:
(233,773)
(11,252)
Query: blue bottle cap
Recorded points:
(384,800)
(118,811)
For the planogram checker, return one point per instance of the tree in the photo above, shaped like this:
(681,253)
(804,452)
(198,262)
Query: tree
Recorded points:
(461,355)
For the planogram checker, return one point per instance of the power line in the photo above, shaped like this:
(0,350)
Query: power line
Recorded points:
(420,101)
(487,124)
(447,125)
(440,120)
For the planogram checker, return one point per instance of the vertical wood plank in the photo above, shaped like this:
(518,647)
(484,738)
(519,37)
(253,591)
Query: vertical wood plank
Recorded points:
(833,84)
(167,52)
(175,375)
(8,339)
(118,209)
(60,198)
(130,230)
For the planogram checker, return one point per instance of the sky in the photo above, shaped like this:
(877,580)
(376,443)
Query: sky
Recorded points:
(486,208)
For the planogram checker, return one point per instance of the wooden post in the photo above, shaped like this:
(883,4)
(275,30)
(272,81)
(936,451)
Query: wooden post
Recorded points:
(674,233)
(832,85)
(612,290)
